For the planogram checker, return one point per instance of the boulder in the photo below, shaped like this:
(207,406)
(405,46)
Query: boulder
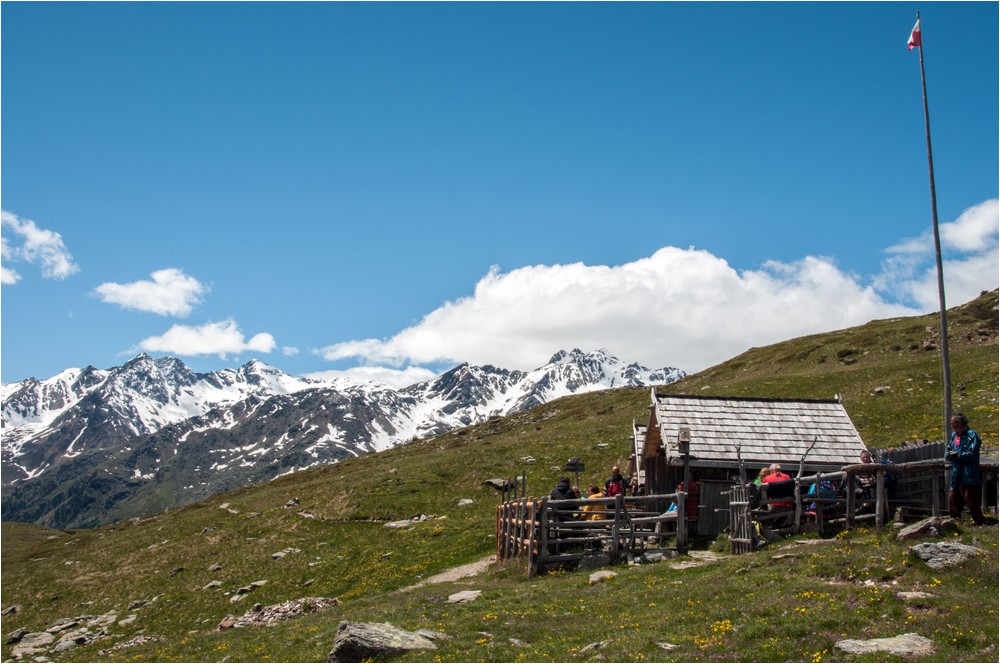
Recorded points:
(63,625)
(103,620)
(357,642)
(265,616)
(17,635)
(597,645)
(465,501)
(601,577)
(71,640)
(36,640)
(464,596)
(938,555)
(931,527)
(19,652)
(905,645)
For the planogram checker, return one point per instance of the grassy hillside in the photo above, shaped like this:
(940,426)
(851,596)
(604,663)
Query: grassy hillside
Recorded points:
(901,354)
(745,608)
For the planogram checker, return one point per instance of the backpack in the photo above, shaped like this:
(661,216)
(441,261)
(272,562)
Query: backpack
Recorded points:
(613,488)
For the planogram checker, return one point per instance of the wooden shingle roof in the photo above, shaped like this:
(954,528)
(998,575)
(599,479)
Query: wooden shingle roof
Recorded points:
(768,430)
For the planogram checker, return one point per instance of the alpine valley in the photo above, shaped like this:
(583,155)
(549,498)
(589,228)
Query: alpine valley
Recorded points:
(89,447)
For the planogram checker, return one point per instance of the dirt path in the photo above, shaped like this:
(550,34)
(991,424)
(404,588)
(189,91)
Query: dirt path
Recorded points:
(454,574)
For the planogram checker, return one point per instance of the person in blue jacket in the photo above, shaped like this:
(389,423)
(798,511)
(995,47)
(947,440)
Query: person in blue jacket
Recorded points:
(966,480)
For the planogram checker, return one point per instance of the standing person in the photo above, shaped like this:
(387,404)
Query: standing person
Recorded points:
(616,484)
(966,481)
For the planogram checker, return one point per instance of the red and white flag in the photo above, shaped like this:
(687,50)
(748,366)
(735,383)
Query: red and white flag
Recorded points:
(914,37)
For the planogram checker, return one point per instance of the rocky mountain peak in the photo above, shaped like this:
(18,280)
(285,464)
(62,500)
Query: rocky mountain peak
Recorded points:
(87,444)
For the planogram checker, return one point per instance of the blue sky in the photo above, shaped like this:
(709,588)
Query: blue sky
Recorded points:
(388,189)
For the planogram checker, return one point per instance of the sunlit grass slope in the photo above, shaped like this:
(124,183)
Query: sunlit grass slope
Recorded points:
(748,608)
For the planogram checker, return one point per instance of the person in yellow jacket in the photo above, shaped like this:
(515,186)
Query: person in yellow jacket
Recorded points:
(593,511)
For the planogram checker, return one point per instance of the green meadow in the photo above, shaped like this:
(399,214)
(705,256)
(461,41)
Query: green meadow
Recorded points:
(790,602)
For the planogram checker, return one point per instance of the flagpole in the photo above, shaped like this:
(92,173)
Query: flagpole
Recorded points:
(945,363)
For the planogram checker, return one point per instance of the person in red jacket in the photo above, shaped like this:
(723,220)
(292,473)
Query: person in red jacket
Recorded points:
(775,475)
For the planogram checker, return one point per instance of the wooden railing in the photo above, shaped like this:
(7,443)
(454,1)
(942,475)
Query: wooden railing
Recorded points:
(547,532)
(845,508)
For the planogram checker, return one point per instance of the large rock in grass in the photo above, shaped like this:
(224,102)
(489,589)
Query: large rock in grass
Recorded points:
(357,642)
(905,645)
(938,555)
(931,527)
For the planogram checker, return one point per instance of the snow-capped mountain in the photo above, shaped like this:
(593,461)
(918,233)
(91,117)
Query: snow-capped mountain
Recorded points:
(86,409)
(88,446)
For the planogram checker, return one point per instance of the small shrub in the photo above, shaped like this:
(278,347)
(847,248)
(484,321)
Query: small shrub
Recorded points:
(721,544)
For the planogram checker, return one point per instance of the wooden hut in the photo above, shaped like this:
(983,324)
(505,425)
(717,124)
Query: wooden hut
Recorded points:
(767,430)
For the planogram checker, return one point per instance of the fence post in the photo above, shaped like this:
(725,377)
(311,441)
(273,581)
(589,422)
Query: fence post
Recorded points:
(946,476)
(511,528)
(615,529)
(798,503)
(499,526)
(682,530)
(880,499)
(532,514)
(936,495)
(506,530)
(849,516)
(543,537)
(518,526)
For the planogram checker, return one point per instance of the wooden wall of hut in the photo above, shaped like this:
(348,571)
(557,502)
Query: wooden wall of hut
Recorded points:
(657,478)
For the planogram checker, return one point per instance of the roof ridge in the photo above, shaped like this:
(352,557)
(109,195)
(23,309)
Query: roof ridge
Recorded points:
(735,398)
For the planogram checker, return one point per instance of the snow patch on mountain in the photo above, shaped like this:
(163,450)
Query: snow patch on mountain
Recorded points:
(154,418)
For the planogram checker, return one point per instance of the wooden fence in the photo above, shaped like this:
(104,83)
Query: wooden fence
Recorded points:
(546,532)
(843,505)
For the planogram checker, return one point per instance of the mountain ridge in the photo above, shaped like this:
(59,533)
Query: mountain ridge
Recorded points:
(153,434)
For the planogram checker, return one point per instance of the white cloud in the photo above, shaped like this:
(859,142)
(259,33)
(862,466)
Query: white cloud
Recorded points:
(395,378)
(222,338)
(975,230)
(970,249)
(170,293)
(9,277)
(289,351)
(684,308)
(32,244)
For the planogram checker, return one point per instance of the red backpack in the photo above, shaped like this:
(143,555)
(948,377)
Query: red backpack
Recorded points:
(614,488)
